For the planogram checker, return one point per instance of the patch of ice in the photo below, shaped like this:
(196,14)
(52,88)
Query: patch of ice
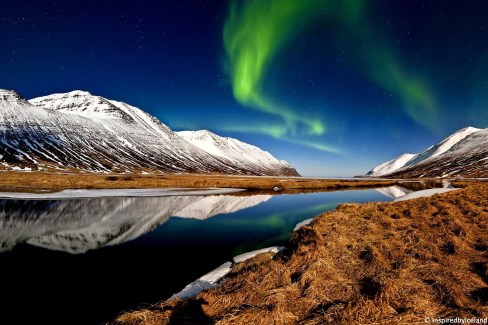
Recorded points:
(424,193)
(151,192)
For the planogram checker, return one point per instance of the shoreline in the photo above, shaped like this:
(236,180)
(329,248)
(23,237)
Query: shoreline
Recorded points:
(42,182)
(218,275)
(373,256)
(105,193)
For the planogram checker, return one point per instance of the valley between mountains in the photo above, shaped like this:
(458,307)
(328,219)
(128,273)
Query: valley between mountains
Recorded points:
(379,262)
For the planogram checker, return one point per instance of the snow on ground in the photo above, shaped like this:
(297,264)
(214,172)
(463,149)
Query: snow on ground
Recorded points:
(424,193)
(213,279)
(245,256)
(208,281)
(305,222)
(151,192)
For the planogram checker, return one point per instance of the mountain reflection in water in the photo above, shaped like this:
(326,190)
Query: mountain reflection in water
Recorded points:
(79,225)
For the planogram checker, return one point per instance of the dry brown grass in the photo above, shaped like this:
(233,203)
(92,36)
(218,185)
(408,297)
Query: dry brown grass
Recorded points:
(376,263)
(145,316)
(43,181)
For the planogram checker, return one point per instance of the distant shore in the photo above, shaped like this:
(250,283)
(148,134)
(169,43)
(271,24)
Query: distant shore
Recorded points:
(395,262)
(33,182)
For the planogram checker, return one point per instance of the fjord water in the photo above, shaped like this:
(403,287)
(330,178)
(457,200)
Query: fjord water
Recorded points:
(85,260)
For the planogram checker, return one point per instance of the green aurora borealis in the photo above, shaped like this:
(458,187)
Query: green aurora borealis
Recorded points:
(257,32)
(254,34)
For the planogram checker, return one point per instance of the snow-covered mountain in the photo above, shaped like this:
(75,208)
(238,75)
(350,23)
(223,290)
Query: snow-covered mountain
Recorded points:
(236,151)
(80,131)
(462,154)
(79,225)
(442,146)
(391,165)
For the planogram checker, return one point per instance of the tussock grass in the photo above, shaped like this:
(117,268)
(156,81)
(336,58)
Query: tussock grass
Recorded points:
(145,316)
(375,263)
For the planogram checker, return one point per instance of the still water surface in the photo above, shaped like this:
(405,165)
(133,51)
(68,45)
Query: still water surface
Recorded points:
(81,261)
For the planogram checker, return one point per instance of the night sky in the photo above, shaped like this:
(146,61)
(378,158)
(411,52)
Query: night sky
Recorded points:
(334,87)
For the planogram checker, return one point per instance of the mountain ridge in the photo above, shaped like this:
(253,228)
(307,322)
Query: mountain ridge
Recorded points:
(391,165)
(78,131)
(461,154)
(231,149)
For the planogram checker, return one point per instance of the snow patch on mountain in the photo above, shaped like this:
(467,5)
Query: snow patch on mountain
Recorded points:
(80,103)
